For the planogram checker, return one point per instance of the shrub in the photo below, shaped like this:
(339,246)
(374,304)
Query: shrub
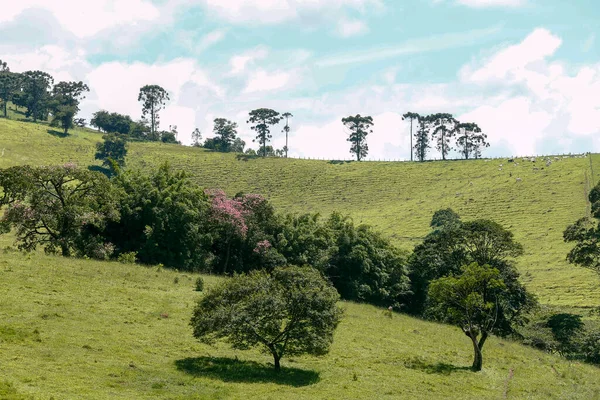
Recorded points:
(127,258)
(199,284)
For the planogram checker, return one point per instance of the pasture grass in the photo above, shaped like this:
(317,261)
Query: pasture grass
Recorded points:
(397,198)
(78,329)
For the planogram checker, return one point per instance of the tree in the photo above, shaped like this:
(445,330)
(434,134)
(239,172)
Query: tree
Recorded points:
(411,116)
(359,128)
(286,129)
(226,133)
(585,233)
(444,127)
(36,94)
(470,301)
(470,139)
(65,103)
(9,83)
(153,98)
(113,148)
(444,218)
(262,119)
(59,207)
(112,122)
(169,136)
(196,138)
(422,139)
(238,146)
(291,311)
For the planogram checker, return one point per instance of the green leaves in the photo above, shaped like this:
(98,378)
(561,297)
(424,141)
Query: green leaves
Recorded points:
(359,128)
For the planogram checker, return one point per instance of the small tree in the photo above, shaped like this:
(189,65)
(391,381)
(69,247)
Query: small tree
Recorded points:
(112,122)
(196,138)
(470,139)
(262,119)
(444,127)
(289,312)
(286,129)
(469,301)
(421,139)
(411,116)
(9,83)
(65,103)
(359,128)
(225,134)
(153,98)
(35,86)
(113,148)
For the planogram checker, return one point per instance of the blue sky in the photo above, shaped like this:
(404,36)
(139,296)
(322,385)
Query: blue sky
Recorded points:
(527,71)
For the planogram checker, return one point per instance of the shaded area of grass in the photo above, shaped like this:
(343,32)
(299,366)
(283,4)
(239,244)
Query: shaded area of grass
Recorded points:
(233,370)
(58,134)
(418,363)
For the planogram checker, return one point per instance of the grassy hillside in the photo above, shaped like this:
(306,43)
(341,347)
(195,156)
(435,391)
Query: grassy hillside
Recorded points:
(398,198)
(72,329)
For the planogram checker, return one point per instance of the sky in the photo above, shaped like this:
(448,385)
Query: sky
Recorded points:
(526,71)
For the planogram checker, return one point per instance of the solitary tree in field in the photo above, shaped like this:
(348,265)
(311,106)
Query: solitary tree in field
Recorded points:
(35,93)
(196,138)
(411,116)
(261,120)
(286,129)
(421,139)
(444,127)
(359,128)
(288,312)
(225,134)
(470,139)
(470,301)
(65,103)
(153,98)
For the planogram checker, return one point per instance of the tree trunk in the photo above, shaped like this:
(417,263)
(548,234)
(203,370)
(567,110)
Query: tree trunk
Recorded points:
(484,337)
(227,256)
(411,137)
(276,358)
(478,357)
(5,109)
(66,251)
(443,146)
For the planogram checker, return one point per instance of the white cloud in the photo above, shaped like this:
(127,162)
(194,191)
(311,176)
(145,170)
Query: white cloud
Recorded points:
(189,40)
(86,18)
(62,64)
(263,81)
(351,27)
(492,3)
(239,63)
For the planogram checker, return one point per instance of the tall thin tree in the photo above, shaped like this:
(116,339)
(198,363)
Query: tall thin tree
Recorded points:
(470,139)
(422,139)
(262,119)
(286,129)
(154,99)
(411,116)
(444,127)
(359,128)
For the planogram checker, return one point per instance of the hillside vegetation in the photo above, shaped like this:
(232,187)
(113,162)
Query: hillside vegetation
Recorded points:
(84,329)
(398,198)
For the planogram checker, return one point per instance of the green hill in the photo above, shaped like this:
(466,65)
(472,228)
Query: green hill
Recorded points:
(77,329)
(398,198)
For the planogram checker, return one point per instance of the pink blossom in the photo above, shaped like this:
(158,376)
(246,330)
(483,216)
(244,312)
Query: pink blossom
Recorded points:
(262,247)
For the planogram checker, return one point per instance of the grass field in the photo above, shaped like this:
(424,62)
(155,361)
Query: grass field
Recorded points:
(77,329)
(398,198)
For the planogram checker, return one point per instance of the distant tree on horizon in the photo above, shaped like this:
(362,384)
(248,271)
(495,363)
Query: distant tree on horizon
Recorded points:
(154,99)
(9,83)
(411,116)
(470,139)
(35,96)
(196,138)
(112,122)
(443,127)
(262,119)
(359,128)
(64,104)
(286,129)
(225,134)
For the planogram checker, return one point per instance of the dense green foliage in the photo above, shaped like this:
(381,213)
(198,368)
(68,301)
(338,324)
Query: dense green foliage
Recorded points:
(153,99)
(113,148)
(586,235)
(289,312)
(64,104)
(261,121)
(359,128)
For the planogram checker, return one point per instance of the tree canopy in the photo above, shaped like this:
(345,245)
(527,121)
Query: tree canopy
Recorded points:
(153,99)
(261,120)
(359,128)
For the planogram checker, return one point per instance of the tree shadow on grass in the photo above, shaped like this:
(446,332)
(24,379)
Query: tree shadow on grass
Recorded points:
(340,162)
(231,370)
(433,368)
(56,133)
(247,157)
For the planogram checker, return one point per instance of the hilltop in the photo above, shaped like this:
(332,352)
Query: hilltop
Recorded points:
(74,328)
(398,198)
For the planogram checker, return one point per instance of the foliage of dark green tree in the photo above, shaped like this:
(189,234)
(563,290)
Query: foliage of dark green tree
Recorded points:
(9,84)
(291,311)
(169,136)
(411,116)
(35,87)
(585,233)
(154,99)
(64,104)
(225,134)
(471,302)
(112,122)
(359,128)
(470,140)
(60,208)
(196,138)
(443,128)
(113,148)
(421,136)
(286,129)
(163,219)
(237,146)
(445,218)
(261,120)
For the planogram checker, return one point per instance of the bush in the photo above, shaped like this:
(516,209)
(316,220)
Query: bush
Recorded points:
(127,258)
(199,284)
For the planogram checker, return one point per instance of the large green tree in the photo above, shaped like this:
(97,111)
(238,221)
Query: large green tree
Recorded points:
(112,122)
(291,311)
(153,99)
(470,301)
(261,120)
(35,96)
(359,128)
(61,208)
(112,149)
(443,129)
(64,104)
(470,140)
(225,134)
(411,116)
(421,136)
(9,84)
(585,233)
